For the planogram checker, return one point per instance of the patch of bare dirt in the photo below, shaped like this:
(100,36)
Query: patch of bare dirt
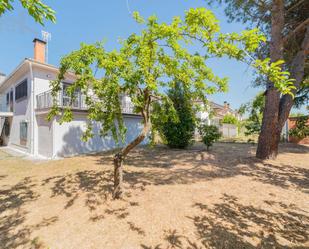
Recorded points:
(187,199)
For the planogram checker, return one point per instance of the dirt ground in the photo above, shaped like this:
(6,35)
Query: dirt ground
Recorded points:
(188,199)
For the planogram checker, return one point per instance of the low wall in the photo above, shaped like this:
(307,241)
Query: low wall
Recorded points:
(229,130)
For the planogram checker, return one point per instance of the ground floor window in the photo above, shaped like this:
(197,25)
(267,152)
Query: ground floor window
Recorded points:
(23,133)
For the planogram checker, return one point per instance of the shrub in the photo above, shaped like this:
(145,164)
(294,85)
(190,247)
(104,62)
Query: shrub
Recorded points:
(210,134)
(178,131)
(301,129)
(229,119)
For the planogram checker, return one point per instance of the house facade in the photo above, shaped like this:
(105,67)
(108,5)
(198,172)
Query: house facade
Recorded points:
(215,113)
(25,101)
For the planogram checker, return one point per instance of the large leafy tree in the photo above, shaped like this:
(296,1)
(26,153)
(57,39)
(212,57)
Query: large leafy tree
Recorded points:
(177,131)
(36,8)
(287,24)
(255,109)
(145,64)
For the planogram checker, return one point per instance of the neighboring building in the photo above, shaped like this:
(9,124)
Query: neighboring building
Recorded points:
(215,113)
(290,124)
(25,100)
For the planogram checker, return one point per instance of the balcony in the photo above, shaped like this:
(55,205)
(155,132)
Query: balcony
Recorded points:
(45,101)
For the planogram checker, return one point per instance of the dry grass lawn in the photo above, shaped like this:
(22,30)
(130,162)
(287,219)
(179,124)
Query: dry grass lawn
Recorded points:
(174,199)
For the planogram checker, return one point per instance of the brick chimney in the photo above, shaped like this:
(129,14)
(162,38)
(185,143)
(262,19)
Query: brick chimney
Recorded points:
(39,50)
(225,104)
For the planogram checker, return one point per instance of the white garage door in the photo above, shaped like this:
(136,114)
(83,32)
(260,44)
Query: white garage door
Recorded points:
(45,137)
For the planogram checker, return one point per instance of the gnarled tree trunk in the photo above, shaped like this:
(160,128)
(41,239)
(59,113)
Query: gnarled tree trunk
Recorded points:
(119,158)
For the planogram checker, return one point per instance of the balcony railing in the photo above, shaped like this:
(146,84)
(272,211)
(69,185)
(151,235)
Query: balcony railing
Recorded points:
(45,101)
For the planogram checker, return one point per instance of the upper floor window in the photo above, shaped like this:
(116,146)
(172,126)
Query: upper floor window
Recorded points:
(21,90)
(9,101)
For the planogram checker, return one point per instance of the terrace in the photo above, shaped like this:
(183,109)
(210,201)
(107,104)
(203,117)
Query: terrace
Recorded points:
(45,101)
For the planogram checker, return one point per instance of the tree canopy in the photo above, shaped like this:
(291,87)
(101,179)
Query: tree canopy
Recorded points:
(255,109)
(148,63)
(36,8)
(178,131)
(286,23)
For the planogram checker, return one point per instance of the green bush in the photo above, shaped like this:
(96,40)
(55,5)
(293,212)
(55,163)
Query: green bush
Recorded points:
(229,119)
(301,129)
(209,134)
(178,131)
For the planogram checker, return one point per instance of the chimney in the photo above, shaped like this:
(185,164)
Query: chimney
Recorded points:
(228,105)
(225,104)
(39,50)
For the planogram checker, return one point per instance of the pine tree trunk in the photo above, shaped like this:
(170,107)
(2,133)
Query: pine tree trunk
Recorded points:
(118,176)
(270,131)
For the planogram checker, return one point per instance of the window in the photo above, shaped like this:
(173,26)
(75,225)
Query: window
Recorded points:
(6,127)
(23,133)
(21,91)
(9,101)
(66,99)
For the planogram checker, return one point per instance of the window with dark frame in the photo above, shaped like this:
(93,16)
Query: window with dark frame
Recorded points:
(9,100)
(21,90)
(23,133)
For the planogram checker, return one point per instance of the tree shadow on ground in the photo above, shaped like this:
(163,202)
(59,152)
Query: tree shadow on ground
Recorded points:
(218,163)
(13,231)
(226,224)
(232,225)
(95,184)
(293,148)
(160,166)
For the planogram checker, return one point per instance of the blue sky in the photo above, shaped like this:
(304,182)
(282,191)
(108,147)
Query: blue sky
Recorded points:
(96,20)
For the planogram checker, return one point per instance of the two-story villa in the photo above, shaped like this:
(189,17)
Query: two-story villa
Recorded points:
(25,100)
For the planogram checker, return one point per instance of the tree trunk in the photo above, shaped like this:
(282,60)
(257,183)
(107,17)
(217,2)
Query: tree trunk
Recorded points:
(118,176)
(119,158)
(297,73)
(270,131)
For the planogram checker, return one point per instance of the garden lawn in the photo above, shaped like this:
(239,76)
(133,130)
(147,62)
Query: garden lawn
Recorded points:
(189,199)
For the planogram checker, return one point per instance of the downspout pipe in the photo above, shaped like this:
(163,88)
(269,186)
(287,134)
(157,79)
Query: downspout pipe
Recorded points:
(32,152)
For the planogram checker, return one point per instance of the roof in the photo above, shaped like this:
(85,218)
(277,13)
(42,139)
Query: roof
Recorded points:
(23,63)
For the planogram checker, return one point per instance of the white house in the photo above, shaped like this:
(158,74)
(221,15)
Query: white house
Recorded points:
(214,113)
(25,100)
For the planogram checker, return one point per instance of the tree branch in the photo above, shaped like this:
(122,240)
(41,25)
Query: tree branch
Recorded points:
(296,30)
(291,7)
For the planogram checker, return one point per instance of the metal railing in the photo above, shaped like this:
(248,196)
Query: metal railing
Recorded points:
(45,101)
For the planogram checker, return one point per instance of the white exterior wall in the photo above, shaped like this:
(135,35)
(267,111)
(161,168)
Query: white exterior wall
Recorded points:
(50,139)
(45,137)
(3,107)
(22,112)
(42,78)
(67,136)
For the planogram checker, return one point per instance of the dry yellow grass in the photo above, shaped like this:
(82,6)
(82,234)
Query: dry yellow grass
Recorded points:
(189,199)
